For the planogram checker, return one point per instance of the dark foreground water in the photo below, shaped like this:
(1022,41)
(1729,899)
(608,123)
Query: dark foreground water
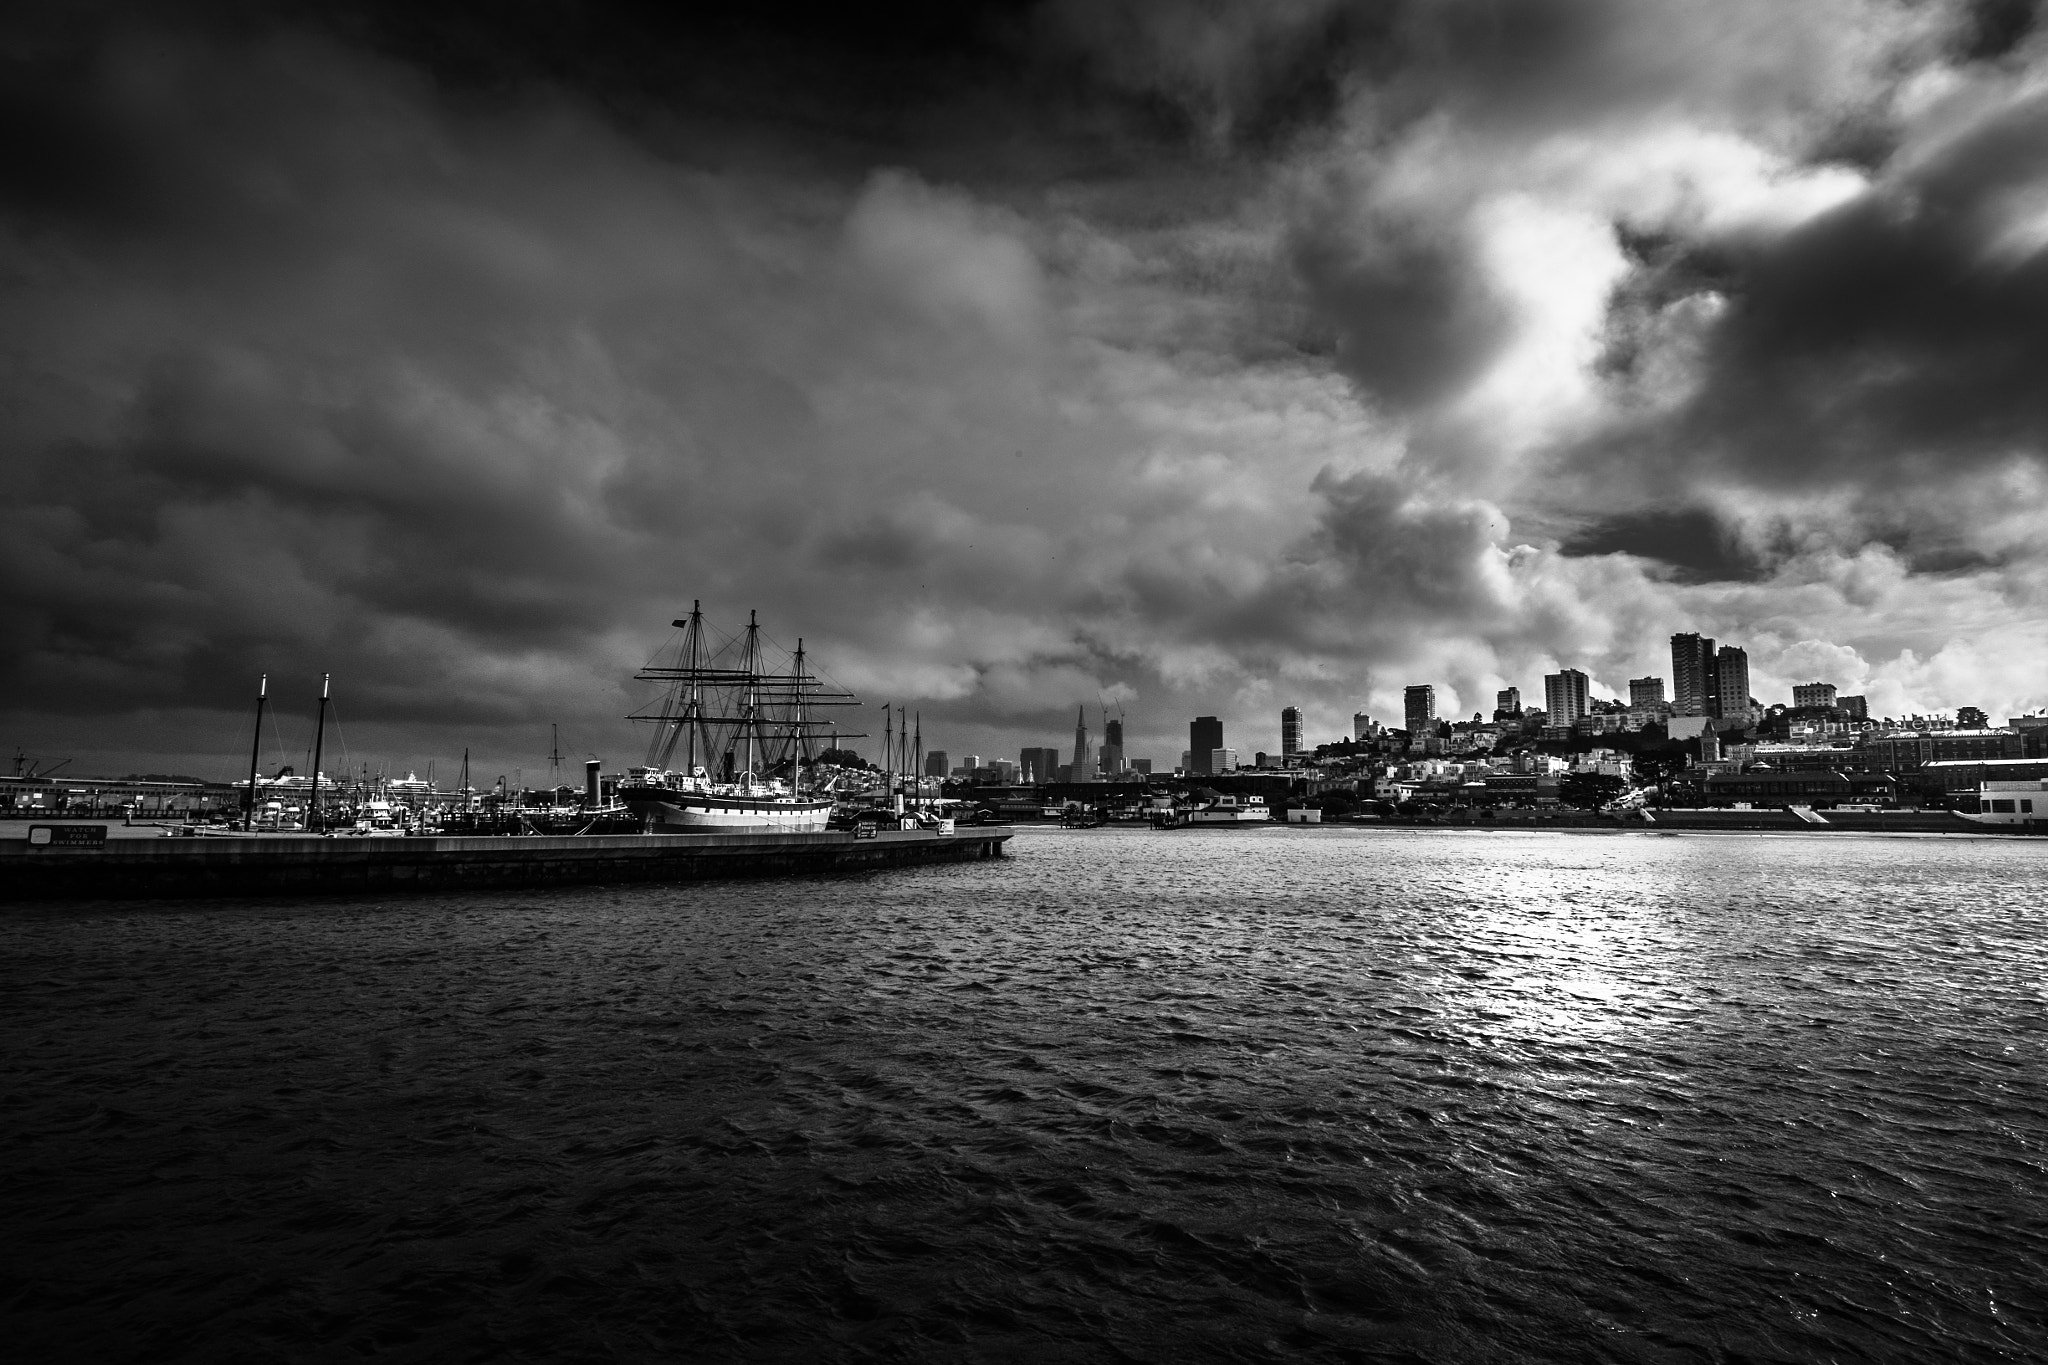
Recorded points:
(1127,1096)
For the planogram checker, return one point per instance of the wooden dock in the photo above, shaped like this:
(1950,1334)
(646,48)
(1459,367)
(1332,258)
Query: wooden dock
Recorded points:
(75,864)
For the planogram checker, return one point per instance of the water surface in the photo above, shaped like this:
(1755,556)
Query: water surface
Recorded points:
(1280,1094)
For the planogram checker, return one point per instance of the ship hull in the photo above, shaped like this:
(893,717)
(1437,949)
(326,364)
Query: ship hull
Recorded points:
(666,812)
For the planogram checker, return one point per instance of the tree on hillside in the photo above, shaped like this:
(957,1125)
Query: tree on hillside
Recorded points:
(1589,791)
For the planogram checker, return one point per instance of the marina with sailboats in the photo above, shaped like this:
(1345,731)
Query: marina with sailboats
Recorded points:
(739,780)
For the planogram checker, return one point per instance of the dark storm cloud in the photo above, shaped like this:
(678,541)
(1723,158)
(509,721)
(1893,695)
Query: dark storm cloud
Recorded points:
(1017,355)
(1693,542)
(1904,331)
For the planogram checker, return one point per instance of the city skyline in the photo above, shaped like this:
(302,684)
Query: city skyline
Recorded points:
(1015,356)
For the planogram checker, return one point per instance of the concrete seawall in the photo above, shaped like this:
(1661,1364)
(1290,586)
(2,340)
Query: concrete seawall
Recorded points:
(311,866)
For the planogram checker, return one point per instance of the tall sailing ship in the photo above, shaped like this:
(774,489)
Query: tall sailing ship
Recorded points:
(736,740)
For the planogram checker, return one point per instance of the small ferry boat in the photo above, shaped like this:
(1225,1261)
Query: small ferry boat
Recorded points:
(1214,808)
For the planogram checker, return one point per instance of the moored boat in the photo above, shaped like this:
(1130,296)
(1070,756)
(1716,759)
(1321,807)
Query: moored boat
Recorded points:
(746,733)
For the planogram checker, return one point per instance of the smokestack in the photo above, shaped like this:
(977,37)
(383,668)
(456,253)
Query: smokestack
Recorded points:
(590,784)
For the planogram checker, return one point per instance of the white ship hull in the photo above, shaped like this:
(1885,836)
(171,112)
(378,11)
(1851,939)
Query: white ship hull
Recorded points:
(699,812)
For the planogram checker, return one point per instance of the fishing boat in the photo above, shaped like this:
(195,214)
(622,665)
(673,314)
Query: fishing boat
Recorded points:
(736,738)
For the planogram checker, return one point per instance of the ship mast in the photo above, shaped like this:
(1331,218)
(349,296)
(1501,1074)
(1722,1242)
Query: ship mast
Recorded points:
(319,740)
(733,704)
(797,728)
(255,749)
(752,709)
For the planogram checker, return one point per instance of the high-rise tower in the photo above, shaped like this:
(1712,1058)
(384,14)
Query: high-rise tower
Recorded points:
(1731,670)
(1081,768)
(1290,731)
(1566,696)
(1418,705)
(1695,677)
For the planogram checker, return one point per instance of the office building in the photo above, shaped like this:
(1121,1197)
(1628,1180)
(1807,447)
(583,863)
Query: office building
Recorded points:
(1038,765)
(1205,736)
(1290,731)
(1141,765)
(1222,761)
(1082,768)
(1695,680)
(1816,694)
(1361,725)
(1113,747)
(1567,696)
(1731,665)
(1418,707)
(1645,694)
(1507,704)
(935,763)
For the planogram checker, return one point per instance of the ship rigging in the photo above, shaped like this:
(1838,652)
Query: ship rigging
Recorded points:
(736,740)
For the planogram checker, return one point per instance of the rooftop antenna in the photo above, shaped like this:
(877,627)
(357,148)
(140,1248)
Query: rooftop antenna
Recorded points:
(255,750)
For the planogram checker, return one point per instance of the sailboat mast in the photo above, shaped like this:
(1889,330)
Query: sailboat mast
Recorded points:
(255,749)
(319,741)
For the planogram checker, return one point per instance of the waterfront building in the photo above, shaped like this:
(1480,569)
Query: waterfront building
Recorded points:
(1507,704)
(1695,681)
(935,763)
(1566,697)
(1645,694)
(1290,731)
(1814,695)
(1418,706)
(1205,737)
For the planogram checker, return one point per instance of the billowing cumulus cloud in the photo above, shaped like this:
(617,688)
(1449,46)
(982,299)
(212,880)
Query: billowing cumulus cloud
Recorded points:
(1187,359)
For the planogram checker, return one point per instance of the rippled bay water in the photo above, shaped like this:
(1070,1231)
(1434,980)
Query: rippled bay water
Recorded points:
(1281,1094)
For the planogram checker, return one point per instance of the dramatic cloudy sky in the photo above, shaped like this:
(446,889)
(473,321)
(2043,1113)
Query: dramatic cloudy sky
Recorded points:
(1193,356)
